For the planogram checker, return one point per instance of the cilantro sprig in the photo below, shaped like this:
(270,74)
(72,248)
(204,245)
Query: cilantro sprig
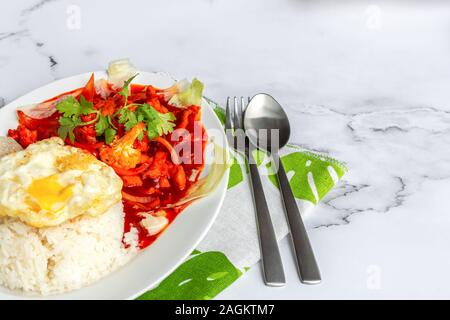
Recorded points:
(104,126)
(125,91)
(157,123)
(71,111)
(70,107)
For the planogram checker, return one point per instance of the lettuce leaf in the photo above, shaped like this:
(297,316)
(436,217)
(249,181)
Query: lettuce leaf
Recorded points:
(119,71)
(184,94)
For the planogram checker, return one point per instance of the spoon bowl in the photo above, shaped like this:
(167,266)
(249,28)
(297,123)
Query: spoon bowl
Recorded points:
(265,114)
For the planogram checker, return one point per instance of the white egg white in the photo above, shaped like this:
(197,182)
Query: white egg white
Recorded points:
(48,184)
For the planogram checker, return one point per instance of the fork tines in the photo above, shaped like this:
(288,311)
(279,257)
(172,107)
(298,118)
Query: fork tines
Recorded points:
(234,121)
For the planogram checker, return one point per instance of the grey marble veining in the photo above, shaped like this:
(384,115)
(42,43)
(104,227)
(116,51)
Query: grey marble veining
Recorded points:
(363,81)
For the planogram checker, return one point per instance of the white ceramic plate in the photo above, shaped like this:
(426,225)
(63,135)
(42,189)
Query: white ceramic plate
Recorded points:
(176,243)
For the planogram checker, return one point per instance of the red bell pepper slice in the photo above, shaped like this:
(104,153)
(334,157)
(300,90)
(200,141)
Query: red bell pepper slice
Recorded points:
(89,89)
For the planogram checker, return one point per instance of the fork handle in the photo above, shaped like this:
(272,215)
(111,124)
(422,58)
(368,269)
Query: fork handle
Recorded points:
(270,254)
(306,262)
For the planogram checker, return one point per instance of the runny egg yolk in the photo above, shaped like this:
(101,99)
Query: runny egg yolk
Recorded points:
(49,194)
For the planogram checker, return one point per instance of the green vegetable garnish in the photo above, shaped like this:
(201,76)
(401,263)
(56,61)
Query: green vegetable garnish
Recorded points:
(72,110)
(128,118)
(106,127)
(192,96)
(188,95)
(110,133)
(125,91)
(70,107)
(157,124)
(101,125)
(66,127)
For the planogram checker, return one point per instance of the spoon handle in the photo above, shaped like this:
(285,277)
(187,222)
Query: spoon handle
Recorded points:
(270,254)
(306,262)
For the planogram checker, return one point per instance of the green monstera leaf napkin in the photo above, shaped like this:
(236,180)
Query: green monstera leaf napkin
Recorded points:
(231,246)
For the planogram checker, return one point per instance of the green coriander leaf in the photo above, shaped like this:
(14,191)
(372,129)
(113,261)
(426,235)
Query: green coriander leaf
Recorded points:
(166,123)
(123,115)
(158,124)
(71,107)
(151,131)
(71,110)
(132,121)
(125,91)
(71,136)
(68,107)
(101,125)
(110,133)
(67,125)
(70,121)
(128,118)
(66,122)
(63,132)
(148,112)
(86,107)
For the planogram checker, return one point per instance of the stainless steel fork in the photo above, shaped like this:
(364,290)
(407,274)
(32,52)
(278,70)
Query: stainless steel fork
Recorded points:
(270,255)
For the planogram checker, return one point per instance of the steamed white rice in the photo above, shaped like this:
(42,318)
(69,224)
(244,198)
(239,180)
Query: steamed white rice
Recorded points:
(63,258)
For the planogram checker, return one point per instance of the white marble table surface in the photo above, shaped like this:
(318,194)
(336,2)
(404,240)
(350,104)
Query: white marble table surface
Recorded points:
(367,82)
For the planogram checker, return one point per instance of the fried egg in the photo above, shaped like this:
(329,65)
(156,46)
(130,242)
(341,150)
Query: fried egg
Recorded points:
(49,183)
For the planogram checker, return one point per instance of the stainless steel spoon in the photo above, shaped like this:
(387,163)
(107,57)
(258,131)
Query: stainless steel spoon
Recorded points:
(263,115)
